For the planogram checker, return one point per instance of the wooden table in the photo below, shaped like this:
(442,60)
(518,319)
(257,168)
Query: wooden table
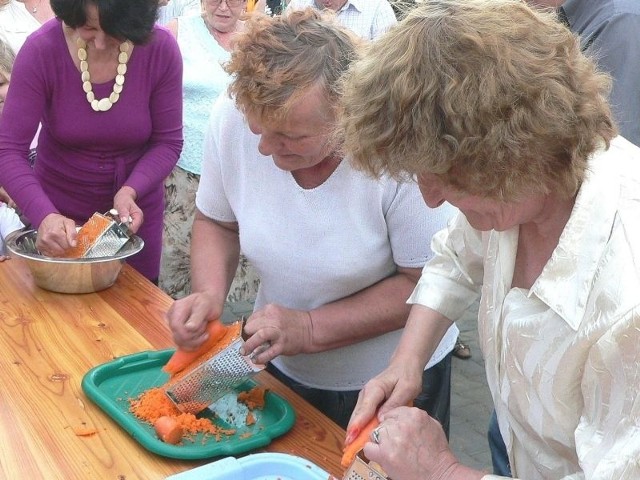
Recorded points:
(48,341)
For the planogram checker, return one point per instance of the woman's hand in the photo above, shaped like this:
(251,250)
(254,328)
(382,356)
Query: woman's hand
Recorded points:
(128,211)
(396,386)
(188,318)
(56,234)
(412,446)
(4,197)
(275,330)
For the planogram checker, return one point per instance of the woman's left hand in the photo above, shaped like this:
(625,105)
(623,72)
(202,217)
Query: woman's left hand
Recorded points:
(128,211)
(275,330)
(412,446)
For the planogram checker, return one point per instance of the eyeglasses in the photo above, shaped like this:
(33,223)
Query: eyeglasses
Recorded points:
(230,3)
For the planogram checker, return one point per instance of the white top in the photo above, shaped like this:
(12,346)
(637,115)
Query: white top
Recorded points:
(203,79)
(16,24)
(178,8)
(314,246)
(9,223)
(367,18)
(562,359)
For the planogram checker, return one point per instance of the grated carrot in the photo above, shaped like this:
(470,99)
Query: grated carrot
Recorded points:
(154,403)
(253,398)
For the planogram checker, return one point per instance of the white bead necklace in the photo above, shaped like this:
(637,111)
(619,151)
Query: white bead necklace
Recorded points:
(106,103)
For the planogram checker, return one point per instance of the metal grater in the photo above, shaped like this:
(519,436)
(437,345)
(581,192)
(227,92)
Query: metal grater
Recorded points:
(360,469)
(111,240)
(213,379)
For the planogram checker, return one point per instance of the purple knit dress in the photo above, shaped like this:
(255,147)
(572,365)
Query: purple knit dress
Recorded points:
(85,157)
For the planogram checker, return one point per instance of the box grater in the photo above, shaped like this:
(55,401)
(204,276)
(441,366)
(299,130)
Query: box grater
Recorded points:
(213,379)
(360,469)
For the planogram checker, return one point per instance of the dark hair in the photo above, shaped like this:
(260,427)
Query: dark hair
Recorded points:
(131,20)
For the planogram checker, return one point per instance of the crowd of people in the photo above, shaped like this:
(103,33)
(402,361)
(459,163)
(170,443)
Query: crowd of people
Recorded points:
(365,172)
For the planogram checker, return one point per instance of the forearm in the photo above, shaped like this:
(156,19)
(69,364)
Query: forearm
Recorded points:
(215,251)
(423,331)
(376,310)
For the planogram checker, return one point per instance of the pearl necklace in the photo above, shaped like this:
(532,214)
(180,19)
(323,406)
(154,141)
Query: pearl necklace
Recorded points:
(106,103)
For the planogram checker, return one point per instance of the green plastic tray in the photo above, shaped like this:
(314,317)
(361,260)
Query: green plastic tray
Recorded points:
(112,384)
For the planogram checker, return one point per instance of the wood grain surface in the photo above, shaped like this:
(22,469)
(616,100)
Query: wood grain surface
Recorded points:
(50,430)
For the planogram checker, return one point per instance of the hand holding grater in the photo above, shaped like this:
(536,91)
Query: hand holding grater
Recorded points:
(213,379)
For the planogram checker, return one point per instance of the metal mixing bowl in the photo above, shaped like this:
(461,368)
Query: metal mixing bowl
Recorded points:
(70,275)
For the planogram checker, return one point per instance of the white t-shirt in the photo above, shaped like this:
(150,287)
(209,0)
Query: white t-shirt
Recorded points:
(314,246)
(9,223)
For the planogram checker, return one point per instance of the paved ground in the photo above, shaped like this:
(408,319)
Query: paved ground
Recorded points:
(471,404)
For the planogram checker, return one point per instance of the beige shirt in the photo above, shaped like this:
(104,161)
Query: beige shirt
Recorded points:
(563,358)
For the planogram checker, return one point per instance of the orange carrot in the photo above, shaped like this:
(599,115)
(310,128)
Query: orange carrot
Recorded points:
(181,359)
(350,451)
(168,429)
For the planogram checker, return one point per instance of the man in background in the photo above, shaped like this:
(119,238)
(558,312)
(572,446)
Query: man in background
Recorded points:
(366,18)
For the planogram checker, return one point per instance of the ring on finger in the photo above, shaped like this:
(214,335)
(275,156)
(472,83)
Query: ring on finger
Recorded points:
(375,435)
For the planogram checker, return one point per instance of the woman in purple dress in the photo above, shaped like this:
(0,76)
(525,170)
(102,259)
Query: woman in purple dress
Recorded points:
(106,84)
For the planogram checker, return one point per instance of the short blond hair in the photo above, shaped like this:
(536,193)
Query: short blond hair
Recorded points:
(494,97)
(277,59)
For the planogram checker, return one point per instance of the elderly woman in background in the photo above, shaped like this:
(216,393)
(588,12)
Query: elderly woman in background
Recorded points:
(19,18)
(508,121)
(337,252)
(106,85)
(205,42)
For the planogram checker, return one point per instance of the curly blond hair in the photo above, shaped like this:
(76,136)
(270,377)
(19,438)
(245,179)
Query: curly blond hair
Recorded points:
(490,95)
(277,59)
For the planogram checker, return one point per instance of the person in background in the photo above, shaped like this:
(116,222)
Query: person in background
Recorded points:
(19,18)
(256,6)
(367,18)
(609,31)
(205,42)
(7,58)
(111,122)
(337,252)
(171,9)
(547,238)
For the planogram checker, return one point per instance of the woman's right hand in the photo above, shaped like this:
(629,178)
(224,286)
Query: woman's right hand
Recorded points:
(56,234)
(188,318)
(396,386)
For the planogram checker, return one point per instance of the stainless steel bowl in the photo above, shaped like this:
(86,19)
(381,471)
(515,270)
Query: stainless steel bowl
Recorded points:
(70,275)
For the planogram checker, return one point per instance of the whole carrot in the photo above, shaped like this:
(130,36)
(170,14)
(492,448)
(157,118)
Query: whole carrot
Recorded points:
(351,450)
(181,359)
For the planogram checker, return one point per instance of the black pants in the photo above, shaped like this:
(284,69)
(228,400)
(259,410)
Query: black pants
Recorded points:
(435,397)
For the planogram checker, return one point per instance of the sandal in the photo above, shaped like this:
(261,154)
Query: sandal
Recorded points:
(461,350)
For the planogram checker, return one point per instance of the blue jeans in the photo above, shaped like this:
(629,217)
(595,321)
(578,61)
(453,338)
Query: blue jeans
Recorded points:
(435,397)
(499,456)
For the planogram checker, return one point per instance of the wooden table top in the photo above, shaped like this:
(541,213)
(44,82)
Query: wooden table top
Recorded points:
(48,341)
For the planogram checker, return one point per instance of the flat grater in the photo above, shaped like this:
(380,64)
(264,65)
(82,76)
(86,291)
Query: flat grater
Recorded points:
(360,469)
(103,235)
(114,235)
(213,379)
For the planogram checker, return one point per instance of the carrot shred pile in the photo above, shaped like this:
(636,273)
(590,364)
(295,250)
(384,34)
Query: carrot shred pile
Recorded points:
(154,403)
(87,235)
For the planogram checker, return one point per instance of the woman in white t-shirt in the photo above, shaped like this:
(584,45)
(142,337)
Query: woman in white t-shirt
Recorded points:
(337,252)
